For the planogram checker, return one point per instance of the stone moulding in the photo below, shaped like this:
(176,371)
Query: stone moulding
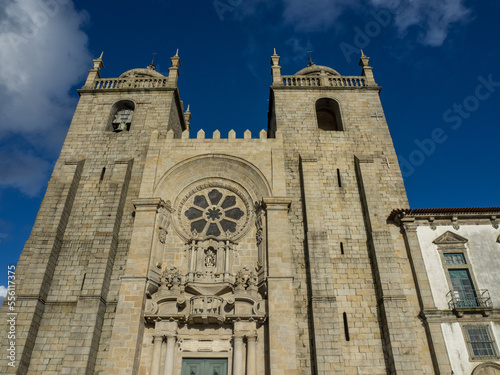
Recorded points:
(206,309)
(199,302)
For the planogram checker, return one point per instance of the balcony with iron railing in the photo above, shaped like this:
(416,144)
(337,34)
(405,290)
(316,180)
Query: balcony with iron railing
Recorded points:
(471,301)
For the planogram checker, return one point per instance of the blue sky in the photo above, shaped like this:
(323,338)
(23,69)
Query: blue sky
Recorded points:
(436,61)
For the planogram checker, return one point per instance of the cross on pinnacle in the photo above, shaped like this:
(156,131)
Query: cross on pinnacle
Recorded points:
(154,54)
(310,57)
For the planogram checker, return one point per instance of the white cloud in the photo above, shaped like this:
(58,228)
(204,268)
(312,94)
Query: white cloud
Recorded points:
(297,45)
(299,48)
(432,18)
(23,171)
(248,8)
(314,15)
(43,53)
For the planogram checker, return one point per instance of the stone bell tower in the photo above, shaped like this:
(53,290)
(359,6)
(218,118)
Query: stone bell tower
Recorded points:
(70,271)
(351,269)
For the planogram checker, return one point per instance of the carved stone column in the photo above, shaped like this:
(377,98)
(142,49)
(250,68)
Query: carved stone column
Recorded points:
(238,354)
(156,361)
(163,352)
(169,357)
(251,355)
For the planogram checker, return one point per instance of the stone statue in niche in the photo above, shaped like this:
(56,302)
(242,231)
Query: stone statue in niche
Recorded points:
(164,212)
(258,236)
(259,232)
(210,258)
(122,120)
(162,235)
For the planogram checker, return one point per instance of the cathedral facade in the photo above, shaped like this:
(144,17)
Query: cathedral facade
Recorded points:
(160,252)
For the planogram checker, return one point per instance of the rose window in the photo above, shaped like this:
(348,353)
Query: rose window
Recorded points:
(214,212)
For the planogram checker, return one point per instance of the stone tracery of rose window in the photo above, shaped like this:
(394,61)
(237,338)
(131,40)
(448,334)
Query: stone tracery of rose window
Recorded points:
(214,212)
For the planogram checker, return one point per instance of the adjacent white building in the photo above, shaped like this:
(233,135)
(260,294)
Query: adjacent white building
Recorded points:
(455,255)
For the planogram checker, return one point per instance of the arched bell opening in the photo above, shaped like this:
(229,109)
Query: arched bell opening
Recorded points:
(120,117)
(328,115)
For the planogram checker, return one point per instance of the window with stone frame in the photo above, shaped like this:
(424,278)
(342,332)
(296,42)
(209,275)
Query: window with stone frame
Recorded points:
(463,292)
(480,342)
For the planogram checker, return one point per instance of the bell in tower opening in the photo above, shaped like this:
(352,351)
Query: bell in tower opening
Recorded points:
(122,120)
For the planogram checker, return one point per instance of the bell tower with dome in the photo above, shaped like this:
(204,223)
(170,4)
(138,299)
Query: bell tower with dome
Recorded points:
(158,253)
(351,270)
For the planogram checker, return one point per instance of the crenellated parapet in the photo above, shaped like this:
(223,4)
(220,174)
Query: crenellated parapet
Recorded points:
(216,135)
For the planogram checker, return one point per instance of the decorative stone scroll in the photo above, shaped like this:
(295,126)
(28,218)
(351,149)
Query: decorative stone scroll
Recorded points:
(170,280)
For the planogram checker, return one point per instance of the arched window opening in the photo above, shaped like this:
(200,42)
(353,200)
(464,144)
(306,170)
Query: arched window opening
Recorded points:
(121,115)
(328,115)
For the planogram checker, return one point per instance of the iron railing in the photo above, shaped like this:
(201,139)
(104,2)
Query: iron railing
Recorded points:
(473,299)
